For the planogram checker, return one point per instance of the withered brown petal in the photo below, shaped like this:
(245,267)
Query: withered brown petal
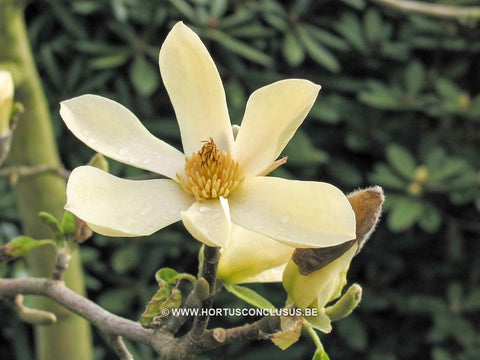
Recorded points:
(310,260)
(367,206)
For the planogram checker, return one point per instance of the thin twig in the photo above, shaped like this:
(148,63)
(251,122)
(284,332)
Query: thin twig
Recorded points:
(442,11)
(107,322)
(209,273)
(119,347)
(163,343)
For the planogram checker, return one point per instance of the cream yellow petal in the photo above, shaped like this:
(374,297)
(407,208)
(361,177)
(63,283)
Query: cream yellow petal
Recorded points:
(319,287)
(250,254)
(272,116)
(6,101)
(195,89)
(114,131)
(209,222)
(296,213)
(268,276)
(118,207)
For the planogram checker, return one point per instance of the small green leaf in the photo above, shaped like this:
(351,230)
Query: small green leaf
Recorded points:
(401,160)
(249,296)
(109,62)
(301,151)
(318,52)
(320,354)
(125,258)
(186,10)
(415,77)
(144,76)
(447,89)
(471,302)
(353,332)
(431,218)
(441,354)
(218,8)
(239,47)
(166,275)
(21,246)
(350,28)
(384,175)
(292,50)
(372,24)
(404,213)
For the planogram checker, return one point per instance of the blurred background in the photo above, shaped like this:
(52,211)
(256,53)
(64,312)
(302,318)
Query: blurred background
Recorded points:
(399,108)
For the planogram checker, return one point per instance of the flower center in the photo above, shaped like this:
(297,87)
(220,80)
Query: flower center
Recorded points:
(210,173)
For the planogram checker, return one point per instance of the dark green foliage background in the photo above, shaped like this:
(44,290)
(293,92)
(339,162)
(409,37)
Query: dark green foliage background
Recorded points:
(400,108)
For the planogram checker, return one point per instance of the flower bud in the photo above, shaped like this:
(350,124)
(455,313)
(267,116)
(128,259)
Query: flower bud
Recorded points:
(318,288)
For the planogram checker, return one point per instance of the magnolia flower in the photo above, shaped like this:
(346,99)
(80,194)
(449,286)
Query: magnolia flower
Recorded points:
(217,181)
(6,101)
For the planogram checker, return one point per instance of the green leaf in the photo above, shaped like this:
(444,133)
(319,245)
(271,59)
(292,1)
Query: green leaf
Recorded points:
(320,354)
(372,23)
(350,28)
(108,62)
(21,246)
(326,38)
(318,52)
(415,77)
(238,47)
(401,160)
(249,296)
(447,89)
(292,49)
(353,332)
(301,151)
(380,96)
(404,213)
(126,258)
(218,8)
(471,302)
(166,298)
(345,172)
(385,176)
(431,218)
(144,76)
(440,354)
(186,10)
(166,275)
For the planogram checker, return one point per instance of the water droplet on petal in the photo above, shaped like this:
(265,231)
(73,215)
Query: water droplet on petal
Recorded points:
(123,151)
(86,132)
(203,209)
(147,161)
